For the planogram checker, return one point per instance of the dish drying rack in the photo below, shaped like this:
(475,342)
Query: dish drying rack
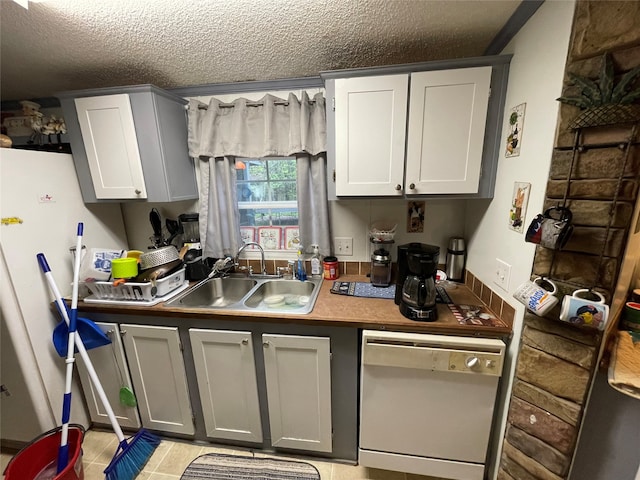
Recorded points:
(138,293)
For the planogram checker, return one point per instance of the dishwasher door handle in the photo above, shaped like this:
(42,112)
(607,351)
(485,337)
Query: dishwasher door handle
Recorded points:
(405,356)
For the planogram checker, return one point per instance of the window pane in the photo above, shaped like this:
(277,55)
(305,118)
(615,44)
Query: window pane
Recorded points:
(267,193)
(247,217)
(283,191)
(282,169)
(252,192)
(256,170)
(284,216)
(262,217)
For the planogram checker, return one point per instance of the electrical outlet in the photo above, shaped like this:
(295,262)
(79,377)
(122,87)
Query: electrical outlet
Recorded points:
(344,246)
(502,274)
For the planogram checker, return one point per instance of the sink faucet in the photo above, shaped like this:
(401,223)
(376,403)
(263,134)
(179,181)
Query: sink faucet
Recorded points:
(263,269)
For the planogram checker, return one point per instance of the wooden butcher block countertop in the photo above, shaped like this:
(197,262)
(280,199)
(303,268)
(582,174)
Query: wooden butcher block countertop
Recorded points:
(337,310)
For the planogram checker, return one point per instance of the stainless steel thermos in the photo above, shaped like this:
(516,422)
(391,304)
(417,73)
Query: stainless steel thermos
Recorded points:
(456,256)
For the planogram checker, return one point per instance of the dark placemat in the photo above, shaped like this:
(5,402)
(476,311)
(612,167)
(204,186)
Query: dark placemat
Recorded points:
(367,290)
(363,289)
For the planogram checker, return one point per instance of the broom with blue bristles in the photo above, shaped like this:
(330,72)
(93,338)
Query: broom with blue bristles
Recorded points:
(133,453)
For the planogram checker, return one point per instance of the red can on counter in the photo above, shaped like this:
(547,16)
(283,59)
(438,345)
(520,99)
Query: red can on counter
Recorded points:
(331,271)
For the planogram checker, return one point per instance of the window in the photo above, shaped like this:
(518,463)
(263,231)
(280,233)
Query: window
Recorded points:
(268,202)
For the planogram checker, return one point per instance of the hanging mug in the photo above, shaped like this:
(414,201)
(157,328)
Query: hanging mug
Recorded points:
(551,229)
(583,312)
(537,299)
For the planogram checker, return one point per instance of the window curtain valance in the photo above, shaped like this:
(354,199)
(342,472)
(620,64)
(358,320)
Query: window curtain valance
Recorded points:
(268,127)
(220,132)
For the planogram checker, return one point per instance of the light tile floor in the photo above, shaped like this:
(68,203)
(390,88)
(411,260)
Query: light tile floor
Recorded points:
(172,457)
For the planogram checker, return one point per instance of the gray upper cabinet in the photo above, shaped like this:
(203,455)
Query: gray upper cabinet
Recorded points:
(428,128)
(130,143)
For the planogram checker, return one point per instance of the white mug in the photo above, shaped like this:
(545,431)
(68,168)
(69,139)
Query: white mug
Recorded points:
(582,312)
(535,298)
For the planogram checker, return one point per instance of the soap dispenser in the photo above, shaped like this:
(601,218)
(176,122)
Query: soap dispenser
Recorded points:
(316,261)
(301,272)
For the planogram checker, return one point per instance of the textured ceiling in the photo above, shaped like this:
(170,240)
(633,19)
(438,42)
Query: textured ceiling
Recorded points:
(74,44)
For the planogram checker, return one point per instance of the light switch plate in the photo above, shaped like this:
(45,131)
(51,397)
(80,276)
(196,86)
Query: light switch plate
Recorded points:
(502,274)
(344,246)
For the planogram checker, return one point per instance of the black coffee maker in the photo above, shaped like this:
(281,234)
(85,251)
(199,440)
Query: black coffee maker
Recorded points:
(415,282)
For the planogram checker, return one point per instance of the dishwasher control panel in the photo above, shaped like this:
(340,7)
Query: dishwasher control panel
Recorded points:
(438,353)
(486,363)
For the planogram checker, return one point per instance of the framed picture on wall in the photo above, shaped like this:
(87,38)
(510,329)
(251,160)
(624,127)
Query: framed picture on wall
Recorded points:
(269,237)
(516,126)
(248,234)
(519,201)
(291,238)
(415,217)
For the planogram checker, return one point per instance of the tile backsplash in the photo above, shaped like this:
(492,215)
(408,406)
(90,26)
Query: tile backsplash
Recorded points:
(491,299)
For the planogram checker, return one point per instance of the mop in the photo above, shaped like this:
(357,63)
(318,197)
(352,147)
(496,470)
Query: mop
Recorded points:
(133,453)
(63,451)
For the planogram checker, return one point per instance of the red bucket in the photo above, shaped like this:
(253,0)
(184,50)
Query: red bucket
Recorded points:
(37,461)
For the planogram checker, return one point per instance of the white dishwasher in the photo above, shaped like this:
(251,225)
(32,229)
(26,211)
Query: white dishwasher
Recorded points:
(427,401)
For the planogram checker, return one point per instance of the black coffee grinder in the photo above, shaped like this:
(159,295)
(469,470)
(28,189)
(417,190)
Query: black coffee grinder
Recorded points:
(415,283)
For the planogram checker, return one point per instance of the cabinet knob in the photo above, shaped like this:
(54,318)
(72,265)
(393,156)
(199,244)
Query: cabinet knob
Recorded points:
(122,332)
(265,344)
(245,341)
(412,186)
(138,191)
(398,187)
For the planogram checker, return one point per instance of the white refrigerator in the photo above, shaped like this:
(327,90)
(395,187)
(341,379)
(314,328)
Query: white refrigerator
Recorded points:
(40,205)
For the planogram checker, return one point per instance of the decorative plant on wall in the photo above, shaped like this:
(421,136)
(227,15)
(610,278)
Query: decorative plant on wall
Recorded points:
(602,102)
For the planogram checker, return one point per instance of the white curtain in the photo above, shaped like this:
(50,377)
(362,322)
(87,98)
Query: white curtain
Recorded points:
(312,197)
(272,126)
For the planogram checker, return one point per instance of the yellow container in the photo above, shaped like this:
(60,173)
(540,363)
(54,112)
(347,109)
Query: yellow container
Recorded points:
(134,254)
(124,267)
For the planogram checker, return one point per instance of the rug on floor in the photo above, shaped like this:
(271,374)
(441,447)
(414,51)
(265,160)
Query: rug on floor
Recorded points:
(235,467)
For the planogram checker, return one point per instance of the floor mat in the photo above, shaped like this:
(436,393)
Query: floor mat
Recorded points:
(235,467)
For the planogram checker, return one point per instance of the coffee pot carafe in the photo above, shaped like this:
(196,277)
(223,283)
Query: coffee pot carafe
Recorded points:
(418,297)
(419,292)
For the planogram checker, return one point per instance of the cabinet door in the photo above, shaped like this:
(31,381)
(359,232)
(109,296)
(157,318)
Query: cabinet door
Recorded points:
(447,116)
(298,375)
(226,374)
(157,370)
(370,125)
(110,141)
(111,367)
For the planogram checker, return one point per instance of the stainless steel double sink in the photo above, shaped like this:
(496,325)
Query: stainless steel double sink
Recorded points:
(252,294)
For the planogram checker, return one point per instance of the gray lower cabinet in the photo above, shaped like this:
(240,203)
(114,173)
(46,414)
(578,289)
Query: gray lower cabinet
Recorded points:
(227,384)
(274,386)
(298,377)
(111,368)
(298,388)
(157,369)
